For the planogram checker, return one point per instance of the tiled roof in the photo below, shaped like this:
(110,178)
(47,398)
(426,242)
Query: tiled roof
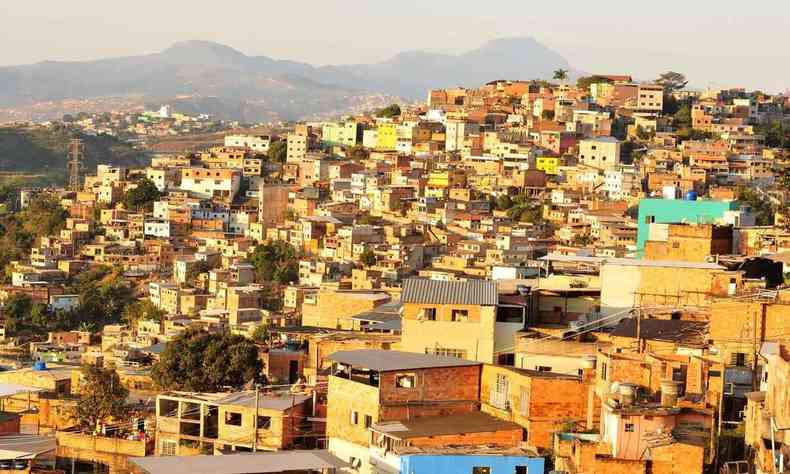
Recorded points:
(472,292)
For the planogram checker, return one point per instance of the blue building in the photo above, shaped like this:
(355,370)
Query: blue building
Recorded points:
(471,464)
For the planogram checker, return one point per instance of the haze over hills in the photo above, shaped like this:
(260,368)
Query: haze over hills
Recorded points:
(202,76)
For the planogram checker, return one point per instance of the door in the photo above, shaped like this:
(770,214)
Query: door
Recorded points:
(293,371)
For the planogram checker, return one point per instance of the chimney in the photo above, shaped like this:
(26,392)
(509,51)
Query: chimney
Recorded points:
(669,393)
(627,394)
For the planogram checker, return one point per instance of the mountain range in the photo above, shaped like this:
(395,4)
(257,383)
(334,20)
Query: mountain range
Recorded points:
(202,76)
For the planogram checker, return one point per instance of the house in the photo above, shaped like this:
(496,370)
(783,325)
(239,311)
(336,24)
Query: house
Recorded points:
(458,319)
(195,423)
(655,214)
(539,401)
(368,387)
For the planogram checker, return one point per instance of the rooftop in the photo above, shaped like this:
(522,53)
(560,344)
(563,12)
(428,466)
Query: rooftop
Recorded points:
(245,399)
(443,425)
(240,463)
(384,361)
(472,292)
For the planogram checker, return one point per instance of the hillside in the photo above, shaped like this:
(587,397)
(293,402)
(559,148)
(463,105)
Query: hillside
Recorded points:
(42,150)
(208,77)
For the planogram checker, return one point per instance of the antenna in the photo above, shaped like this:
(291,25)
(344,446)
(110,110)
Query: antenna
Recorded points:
(75,161)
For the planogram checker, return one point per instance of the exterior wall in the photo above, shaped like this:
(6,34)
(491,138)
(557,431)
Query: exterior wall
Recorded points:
(334,309)
(112,452)
(344,397)
(456,388)
(475,337)
(447,464)
(672,211)
(540,404)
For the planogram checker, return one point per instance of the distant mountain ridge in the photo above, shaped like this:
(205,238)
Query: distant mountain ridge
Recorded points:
(259,84)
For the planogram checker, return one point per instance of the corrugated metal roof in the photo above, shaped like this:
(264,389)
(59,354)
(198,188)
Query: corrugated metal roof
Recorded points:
(384,361)
(472,292)
(240,463)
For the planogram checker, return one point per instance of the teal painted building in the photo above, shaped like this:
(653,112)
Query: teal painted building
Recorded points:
(676,211)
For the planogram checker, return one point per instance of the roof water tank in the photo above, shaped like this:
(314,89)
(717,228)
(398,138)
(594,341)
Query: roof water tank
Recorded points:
(691,196)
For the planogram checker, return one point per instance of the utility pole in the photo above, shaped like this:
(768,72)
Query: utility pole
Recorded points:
(75,162)
(255,422)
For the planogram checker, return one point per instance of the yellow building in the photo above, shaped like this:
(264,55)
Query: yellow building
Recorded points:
(548,164)
(457,319)
(387,136)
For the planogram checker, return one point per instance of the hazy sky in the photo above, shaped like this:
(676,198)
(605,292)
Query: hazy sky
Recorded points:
(715,42)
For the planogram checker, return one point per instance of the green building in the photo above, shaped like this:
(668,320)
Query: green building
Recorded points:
(678,211)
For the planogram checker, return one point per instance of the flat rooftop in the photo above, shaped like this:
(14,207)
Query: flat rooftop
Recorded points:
(240,463)
(384,361)
(443,425)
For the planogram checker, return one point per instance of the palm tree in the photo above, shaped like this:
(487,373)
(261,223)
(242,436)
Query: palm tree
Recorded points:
(561,74)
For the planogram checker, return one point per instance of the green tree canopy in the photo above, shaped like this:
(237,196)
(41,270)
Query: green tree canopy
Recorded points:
(368,257)
(142,310)
(672,81)
(278,151)
(560,74)
(143,196)
(275,262)
(585,82)
(102,397)
(392,110)
(198,361)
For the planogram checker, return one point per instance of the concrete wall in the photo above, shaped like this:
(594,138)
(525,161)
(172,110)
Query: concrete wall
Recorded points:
(475,336)
(446,464)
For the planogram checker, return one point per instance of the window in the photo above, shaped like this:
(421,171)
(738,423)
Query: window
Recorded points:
(405,380)
(603,371)
(650,219)
(522,470)
(232,418)
(524,401)
(264,422)
(368,421)
(738,359)
(168,447)
(629,427)
(446,352)
(543,368)
(460,315)
(481,470)
(354,417)
(429,314)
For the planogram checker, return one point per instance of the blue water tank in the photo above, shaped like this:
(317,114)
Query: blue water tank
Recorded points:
(40,365)
(691,196)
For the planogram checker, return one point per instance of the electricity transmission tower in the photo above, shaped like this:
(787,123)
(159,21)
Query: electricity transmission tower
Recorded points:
(76,150)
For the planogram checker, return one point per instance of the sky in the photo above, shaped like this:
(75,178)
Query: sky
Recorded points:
(715,43)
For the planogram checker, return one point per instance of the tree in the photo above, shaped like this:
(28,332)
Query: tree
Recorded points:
(392,110)
(683,116)
(357,152)
(17,309)
(585,82)
(672,81)
(368,258)
(278,152)
(142,310)
(775,133)
(275,262)
(198,361)
(102,397)
(560,75)
(142,196)
(503,202)
(261,334)
(762,208)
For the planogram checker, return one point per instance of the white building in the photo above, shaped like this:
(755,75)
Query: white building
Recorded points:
(257,143)
(601,153)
